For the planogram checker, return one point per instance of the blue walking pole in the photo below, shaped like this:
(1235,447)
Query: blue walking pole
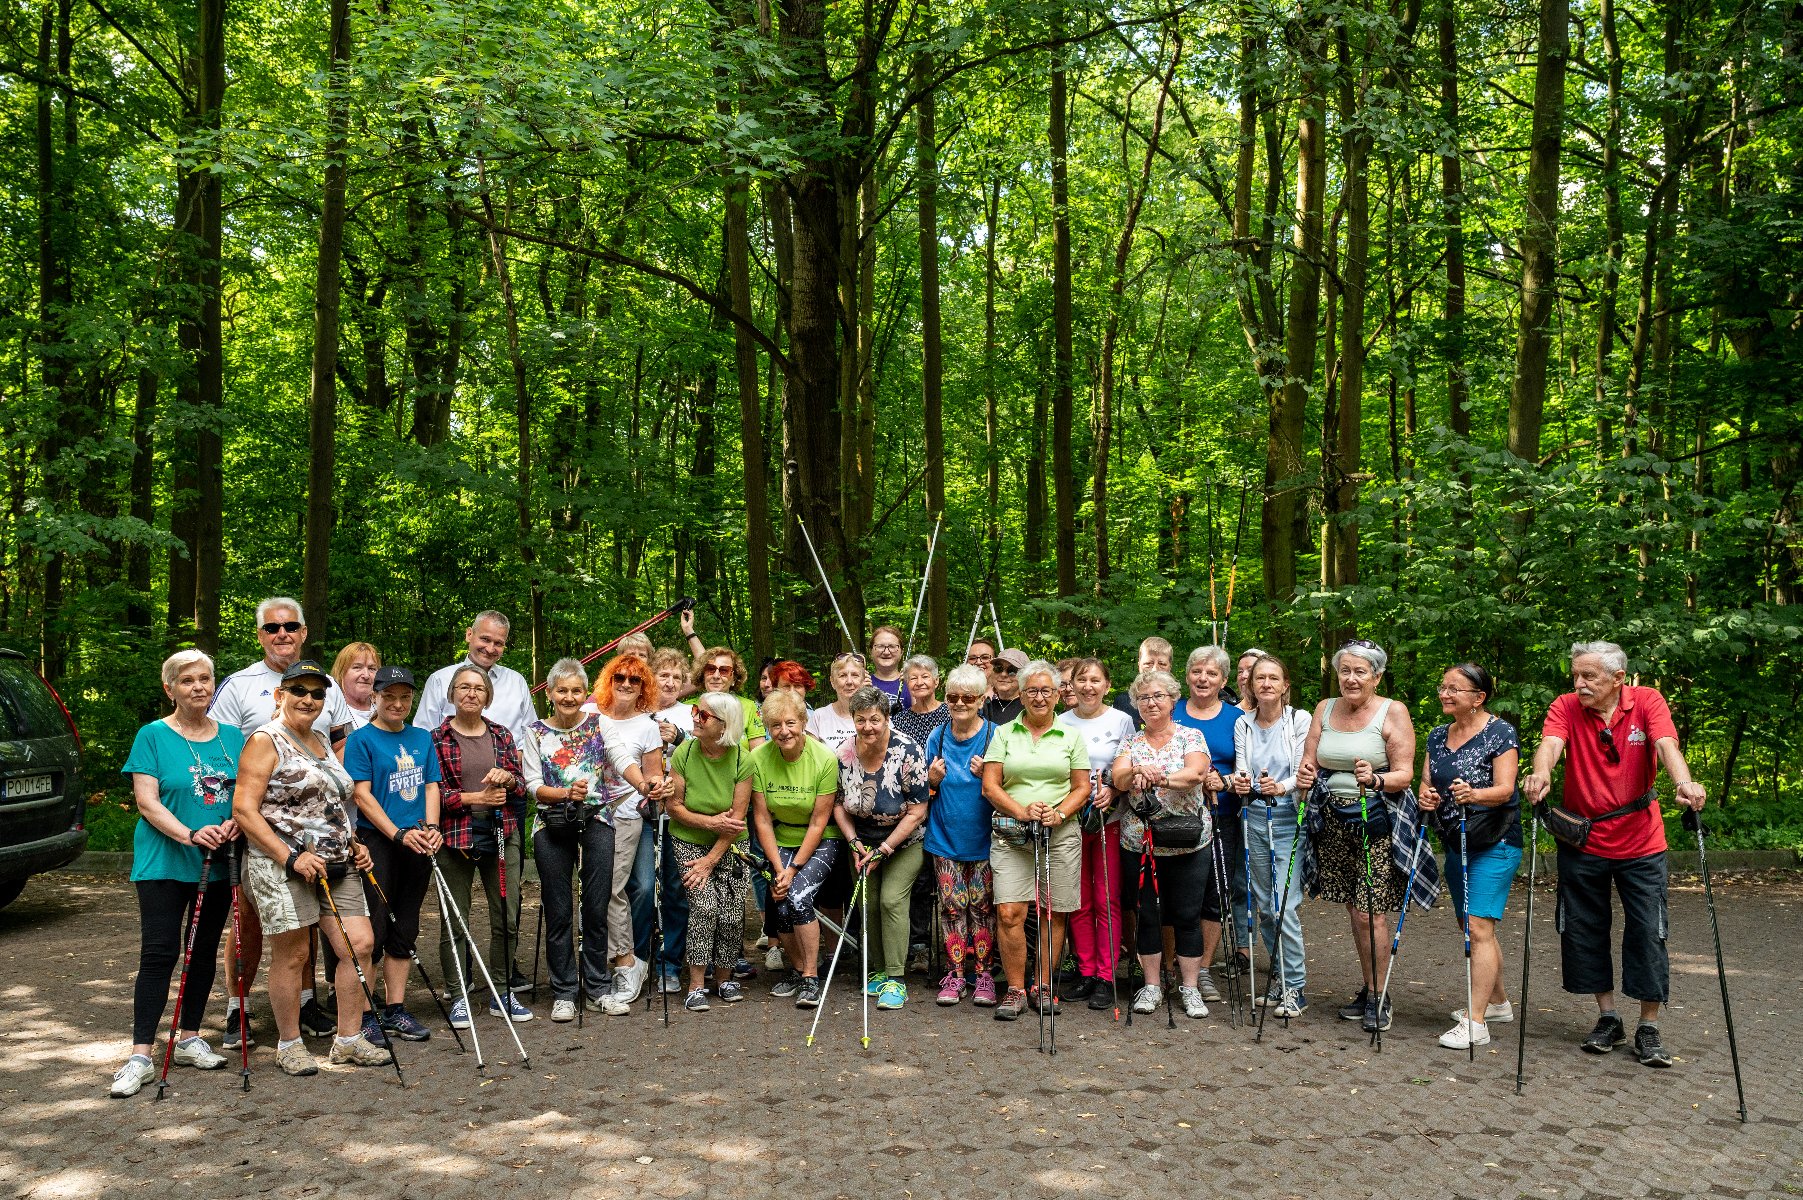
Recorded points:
(1402,917)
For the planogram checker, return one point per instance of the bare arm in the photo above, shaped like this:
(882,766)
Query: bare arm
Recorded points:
(998,798)
(1690,793)
(1540,780)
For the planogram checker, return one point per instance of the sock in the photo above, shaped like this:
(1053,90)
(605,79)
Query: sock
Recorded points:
(345,1041)
(306,995)
(1610,1012)
(282,1044)
(1652,1025)
(231,1005)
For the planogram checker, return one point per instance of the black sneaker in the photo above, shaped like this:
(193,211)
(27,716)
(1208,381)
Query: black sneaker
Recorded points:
(1607,1035)
(788,985)
(520,983)
(1077,987)
(1354,1010)
(313,1020)
(398,1022)
(1372,1021)
(1648,1048)
(372,1030)
(808,995)
(236,1028)
(1101,995)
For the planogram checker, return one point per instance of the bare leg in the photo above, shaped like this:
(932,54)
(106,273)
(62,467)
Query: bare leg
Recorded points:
(1361,937)
(806,951)
(349,992)
(287,959)
(1011,932)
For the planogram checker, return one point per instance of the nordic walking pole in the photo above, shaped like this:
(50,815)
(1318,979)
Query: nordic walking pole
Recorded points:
(1693,821)
(1283,903)
(657,916)
(487,975)
(997,625)
(1402,917)
(864,954)
(1276,948)
(681,606)
(826,583)
(972,639)
(1214,612)
(447,908)
(1113,954)
(324,884)
(925,575)
(1039,929)
(1233,567)
(1252,930)
(181,990)
(1527,946)
(235,873)
(826,988)
(370,876)
(1371,913)
(507,922)
(1465,909)
(1230,932)
(538,944)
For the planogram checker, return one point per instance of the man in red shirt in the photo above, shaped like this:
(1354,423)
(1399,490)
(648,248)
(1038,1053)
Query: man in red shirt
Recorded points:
(1617,737)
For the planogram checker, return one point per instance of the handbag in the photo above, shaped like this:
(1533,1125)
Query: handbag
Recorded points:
(1375,818)
(1176,831)
(566,816)
(1569,829)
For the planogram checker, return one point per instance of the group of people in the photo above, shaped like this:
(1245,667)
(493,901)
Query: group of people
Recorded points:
(1164,819)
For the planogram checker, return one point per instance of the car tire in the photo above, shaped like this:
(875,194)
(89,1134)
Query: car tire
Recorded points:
(9,890)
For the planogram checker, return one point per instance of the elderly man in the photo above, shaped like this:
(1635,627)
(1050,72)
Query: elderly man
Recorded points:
(1617,737)
(512,704)
(1154,655)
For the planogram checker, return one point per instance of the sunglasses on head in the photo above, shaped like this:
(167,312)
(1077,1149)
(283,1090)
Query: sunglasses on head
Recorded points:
(282,627)
(295,689)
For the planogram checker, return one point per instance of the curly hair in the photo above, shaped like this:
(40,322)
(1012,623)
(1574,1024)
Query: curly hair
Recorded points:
(626,664)
(699,676)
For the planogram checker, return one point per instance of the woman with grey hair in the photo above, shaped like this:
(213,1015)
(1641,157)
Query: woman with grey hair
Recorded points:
(1207,712)
(883,801)
(958,839)
(1362,747)
(711,776)
(182,770)
(925,711)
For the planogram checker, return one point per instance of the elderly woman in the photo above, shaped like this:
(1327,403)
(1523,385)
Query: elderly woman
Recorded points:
(794,787)
(482,799)
(1468,779)
(1096,925)
(711,781)
(882,803)
(923,711)
(1267,755)
(1207,712)
(832,723)
(293,803)
(888,674)
(670,668)
(182,770)
(354,670)
(564,760)
(957,837)
(1036,773)
(720,669)
(1165,834)
(1362,746)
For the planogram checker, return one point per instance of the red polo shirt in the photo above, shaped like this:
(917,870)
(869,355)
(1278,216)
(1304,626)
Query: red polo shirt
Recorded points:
(1594,785)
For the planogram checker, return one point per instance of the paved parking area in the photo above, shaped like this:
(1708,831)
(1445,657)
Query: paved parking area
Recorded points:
(946,1102)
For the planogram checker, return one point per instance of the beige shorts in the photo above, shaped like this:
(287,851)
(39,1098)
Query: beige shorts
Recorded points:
(285,902)
(1012,867)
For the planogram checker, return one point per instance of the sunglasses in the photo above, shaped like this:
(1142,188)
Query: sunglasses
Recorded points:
(849,656)
(701,716)
(1607,738)
(717,669)
(282,627)
(961,698)
(1005,668)
(621,680)
(295,689)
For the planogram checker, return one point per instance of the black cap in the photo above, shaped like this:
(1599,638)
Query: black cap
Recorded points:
(304,667)
(387,677)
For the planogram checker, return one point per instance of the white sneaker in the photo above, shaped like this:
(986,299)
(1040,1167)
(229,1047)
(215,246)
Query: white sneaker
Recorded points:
(1146,999)
(137,1071)
(194,1052)
(563,1010)
(1465,1035)
(773,958)
(613,1006)
(629,981)
(1193,1007)
(1494,1014)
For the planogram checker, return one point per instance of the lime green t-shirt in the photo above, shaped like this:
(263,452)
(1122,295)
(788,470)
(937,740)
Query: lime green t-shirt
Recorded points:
(790,788)
(707,786)
(1037,772)
(754,720)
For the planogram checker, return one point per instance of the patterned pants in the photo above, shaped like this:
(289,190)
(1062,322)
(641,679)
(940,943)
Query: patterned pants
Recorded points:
(967,911)
(716,908)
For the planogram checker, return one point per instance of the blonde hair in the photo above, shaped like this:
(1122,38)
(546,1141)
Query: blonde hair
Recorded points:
(348,656)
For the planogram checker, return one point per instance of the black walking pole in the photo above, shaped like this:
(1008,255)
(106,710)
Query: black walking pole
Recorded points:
(1693,821)
(1283,904)
(175,1021)
(1527,947)
(235,873)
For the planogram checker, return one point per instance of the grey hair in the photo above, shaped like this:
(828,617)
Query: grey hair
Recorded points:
(921,662)
(725,708)
(1213,654)
(867,698)
(565,668)
(1613,656)
(966,679)
(489,614)
(1154,677)
(1372,654)
(1040,666)
(280,602)
(181,660)
(488,684)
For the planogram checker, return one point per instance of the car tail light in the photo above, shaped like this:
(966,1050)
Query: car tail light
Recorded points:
(73,731)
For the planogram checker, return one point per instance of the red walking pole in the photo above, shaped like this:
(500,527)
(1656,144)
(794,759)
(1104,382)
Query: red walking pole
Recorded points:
(685,604)
(181,990)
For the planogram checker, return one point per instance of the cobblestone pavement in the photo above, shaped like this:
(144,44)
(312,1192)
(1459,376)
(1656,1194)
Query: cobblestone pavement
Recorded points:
(945,1102)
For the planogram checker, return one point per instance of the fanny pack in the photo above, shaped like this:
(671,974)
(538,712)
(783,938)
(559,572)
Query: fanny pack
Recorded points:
(565,816)
(1375,818)
(1572,830)
(1015,833)
(1176,831)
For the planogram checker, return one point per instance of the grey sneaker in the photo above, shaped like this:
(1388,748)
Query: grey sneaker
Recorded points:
(787,986)
(696,1001)
(808,995)
(359,1051)
(730,992)
(1205,984)
(194,1052)
(1607,1035)
(128,1079)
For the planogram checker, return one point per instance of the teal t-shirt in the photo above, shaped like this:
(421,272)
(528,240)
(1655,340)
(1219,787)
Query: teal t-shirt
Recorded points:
(195,781)
(790,788)
(708,785)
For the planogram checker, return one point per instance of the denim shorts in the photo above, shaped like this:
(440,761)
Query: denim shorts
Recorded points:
(1492,874)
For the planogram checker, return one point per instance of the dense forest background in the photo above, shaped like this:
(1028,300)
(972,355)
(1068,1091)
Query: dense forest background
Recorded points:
(1472,326)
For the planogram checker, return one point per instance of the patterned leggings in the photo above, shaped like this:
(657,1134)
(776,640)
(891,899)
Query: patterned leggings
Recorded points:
(716,909)
(967,911)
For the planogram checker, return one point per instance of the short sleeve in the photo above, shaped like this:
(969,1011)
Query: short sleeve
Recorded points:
(143,759)
(826,779)
(428,758)
(1558,717)
(359,763)
(1656,714)
(743,769)
(1079,752)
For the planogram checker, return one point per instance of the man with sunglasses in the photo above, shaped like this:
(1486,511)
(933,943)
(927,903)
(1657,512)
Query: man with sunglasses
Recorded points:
(247,698)
(512,703)
(1614,738)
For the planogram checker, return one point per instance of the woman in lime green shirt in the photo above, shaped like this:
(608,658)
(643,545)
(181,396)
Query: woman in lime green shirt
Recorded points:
(712,777)
(794,786)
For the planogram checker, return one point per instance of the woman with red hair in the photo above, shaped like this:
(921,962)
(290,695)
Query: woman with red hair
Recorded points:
(625,697)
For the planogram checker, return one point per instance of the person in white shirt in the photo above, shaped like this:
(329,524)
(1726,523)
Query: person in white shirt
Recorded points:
(832,723)
(1096,927)
(247,698)
(512,705)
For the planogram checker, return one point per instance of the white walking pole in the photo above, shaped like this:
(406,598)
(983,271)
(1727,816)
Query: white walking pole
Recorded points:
(825,583)
(920,601)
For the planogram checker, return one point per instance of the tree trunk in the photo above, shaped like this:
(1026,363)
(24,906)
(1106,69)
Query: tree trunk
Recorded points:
(751,427)
(1064,486)
(991,402)
(1452,203)
(1539,234)
(142,502)
(56,250)
(1341,538)
(1612,228)
(932,367)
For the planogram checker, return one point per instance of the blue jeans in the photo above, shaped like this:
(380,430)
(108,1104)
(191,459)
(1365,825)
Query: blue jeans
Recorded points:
(676,902)
(1276,845)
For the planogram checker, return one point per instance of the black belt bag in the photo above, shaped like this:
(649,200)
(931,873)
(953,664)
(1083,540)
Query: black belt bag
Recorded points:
(1572,830)
(1176,831)
(1376,816)
(565,816)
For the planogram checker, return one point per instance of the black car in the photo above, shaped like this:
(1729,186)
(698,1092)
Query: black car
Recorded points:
(41,800)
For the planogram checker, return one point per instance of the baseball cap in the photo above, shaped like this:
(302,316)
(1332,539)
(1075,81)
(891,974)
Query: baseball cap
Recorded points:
(387,677)
(302,669)
(1013,658)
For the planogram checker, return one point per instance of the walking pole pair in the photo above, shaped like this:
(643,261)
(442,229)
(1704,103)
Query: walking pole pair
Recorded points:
(1275,949)
(448,910)
(1465,913)
(1371,915)
(426,978)
(1111,956)
(1252,930)
(925,574)
(1230,930)
(686,604)
(1045,970)
(1283,903)
(181,989)
(324,884)
(825,582)
(860,901)
(1383,994)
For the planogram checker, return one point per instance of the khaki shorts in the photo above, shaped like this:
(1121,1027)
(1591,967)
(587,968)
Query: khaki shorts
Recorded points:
(285,902)
(1012,867)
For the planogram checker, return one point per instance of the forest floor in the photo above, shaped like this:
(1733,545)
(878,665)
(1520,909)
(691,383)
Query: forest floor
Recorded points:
(946,1102)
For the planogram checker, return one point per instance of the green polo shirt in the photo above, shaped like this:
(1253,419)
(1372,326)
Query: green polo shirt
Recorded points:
(708,785)
(790,788)
(1037,770)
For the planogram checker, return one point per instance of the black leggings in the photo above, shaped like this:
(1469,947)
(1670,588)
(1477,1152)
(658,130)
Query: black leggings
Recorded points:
(163,922)
(1184,897)
(404,875)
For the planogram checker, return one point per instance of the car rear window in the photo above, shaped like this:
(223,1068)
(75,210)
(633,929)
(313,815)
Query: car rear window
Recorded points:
(27,709)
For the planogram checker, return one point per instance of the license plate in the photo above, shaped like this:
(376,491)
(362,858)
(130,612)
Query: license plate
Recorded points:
(30,785)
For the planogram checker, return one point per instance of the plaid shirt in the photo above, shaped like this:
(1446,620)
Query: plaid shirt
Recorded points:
(1406,827)
(456,818)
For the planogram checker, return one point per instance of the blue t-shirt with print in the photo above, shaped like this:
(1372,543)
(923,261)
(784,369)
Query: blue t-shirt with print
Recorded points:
(397,767)
(958,820)
(195,781)
(1217,731)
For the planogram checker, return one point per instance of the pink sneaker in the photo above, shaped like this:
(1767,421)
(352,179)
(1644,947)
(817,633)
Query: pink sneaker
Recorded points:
(951,989)
(984,996)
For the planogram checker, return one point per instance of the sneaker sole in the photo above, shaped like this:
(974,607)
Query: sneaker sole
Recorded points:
(807,1004)
(1658,1063)
(1595,1048)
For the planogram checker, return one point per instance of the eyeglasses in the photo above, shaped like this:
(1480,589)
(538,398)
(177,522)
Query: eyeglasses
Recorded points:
(702,716)
(282,627)
(979,660)
(1005,668)
(295,689)
(1040,693)
(1607,738)
(469,689)
(1453,691)
(961,698)
(1159,697)
(621,680)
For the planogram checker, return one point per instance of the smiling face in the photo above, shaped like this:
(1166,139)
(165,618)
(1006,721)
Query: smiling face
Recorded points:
(708,729)
(192,690)
(872,725)
(787,731)
(848,677)
(393,703)
(469,694)
(281,644)
(921,685)
(1357,680)
(670,682)
(1039,696)
(567,696)
(487,641)
(1457,697)
(717,675)
(1155,704)
(303,698)
(1004,681)
(1089,687)
(1204,679)
(885,651)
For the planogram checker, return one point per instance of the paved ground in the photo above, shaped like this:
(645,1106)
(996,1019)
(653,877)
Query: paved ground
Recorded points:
(945,1103)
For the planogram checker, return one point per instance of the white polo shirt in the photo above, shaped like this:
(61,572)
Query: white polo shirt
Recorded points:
(247,699)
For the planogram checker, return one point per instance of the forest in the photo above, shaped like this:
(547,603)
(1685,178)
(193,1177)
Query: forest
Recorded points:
(1469,326)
